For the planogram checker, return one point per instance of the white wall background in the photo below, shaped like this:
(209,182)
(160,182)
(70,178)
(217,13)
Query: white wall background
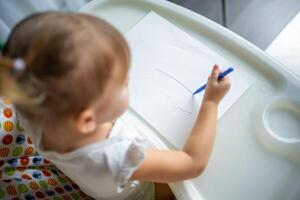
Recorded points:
(12,11)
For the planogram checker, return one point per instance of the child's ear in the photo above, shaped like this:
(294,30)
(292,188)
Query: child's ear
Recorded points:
(86,121)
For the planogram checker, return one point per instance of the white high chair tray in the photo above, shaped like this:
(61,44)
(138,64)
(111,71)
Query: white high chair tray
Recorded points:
(257,150)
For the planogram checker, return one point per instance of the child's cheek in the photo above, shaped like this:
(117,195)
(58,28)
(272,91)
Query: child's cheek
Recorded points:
(125,99)
(121,103)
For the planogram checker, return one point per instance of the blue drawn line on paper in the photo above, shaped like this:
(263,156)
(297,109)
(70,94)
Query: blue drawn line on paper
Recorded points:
(181,109)
(165,73)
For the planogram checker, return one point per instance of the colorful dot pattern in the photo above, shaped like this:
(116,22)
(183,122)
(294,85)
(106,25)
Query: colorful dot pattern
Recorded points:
(24,174)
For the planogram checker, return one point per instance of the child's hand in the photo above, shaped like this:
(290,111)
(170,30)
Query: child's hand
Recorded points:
(216,89)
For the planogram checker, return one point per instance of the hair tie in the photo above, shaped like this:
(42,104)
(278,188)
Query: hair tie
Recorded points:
(19,65)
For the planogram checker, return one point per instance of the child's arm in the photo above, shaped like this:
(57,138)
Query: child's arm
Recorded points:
(168,165)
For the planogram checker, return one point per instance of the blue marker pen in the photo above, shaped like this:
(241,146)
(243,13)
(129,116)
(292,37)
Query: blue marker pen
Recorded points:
(221,75)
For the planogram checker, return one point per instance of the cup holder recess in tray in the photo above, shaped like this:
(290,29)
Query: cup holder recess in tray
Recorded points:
(278,126)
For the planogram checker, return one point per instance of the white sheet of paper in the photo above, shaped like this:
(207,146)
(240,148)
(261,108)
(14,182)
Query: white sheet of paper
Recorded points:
(168,65)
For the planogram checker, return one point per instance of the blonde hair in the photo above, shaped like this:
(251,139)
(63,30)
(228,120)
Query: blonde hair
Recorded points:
(68,57)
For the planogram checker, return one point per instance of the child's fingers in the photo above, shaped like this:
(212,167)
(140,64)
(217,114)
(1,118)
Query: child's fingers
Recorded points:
(215,72)
(225,78)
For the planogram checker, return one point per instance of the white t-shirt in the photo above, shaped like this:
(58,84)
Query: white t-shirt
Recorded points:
(102,169)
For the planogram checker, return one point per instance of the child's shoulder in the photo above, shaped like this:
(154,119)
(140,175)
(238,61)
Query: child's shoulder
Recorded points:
(109,162)
(123,143)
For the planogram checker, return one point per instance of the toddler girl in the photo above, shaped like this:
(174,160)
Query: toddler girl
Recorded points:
(67,76)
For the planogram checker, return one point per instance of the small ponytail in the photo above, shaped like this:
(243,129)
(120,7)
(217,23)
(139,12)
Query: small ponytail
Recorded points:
(9,87)
(12,84)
